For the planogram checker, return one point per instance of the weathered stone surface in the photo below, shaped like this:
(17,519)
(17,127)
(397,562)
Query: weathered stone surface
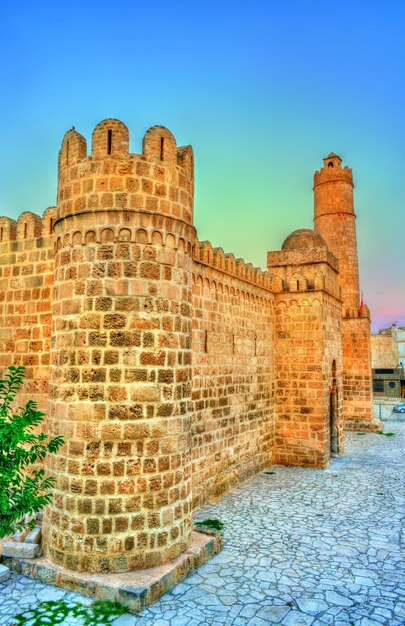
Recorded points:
(4,573)
(20,550)
(34,536)
(279,563)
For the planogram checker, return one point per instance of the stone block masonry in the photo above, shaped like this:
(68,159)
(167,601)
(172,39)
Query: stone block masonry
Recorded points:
(173,370)
(26,285)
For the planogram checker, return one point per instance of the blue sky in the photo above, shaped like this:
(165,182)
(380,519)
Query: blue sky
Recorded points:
(262,90)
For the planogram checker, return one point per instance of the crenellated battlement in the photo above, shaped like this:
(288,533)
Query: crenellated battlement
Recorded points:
(289,271)
(356,312)
(28,226)
(160,180)
(216,258)
(332,171)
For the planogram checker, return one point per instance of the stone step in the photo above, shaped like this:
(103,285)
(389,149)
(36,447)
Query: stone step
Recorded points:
(20,550)
(34,536)
(4,573)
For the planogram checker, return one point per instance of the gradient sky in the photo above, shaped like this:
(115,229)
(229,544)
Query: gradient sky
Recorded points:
(263,90)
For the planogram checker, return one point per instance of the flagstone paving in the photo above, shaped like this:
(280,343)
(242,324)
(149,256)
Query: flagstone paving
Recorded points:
(301,547)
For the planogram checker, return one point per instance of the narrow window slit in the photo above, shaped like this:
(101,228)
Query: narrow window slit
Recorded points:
(25,230)
(50,226)
(67,152)
(109,141)
(162,147)
(1,233)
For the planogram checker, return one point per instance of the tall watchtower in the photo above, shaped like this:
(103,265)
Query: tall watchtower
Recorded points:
(334,219)
(120,382)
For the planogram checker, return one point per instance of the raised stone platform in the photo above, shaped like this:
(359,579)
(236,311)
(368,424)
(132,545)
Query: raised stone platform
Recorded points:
(368,427)
(135,589)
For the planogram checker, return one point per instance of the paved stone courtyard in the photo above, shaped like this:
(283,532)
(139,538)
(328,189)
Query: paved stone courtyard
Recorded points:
(301,547)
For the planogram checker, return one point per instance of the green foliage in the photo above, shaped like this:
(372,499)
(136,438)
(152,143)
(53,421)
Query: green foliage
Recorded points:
(380,432)
(360,433)
(56,611)
(212,524)
(270,473)
(23,489)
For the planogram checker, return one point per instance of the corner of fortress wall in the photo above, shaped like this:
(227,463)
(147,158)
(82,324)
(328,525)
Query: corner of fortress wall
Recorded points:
(173,370)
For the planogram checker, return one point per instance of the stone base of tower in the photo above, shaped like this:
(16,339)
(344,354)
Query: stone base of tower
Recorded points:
(357,374)
(135,589)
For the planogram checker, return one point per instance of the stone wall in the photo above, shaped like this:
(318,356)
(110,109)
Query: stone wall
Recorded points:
(308,362)
(357,374)
(26,282)
(233,373)
(384,349)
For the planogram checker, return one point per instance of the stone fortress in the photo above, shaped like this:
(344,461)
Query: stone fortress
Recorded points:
(173,370)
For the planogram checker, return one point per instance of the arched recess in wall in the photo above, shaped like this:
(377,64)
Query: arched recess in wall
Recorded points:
(106,235)
(157,238)
(90,237)
(77,238)
(124,234)
(141,236)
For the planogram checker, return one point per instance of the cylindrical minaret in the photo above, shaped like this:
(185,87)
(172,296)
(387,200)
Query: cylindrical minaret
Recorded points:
(334,219)
(120,357)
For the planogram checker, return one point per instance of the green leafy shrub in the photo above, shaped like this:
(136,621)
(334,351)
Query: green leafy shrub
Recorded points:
(53,612)
(212,524)
(24,490)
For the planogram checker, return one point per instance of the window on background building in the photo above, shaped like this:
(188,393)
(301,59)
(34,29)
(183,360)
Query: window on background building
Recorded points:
(378,386)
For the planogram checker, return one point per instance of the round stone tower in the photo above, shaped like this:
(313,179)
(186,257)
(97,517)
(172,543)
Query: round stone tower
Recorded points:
(334,219)
(120,357)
